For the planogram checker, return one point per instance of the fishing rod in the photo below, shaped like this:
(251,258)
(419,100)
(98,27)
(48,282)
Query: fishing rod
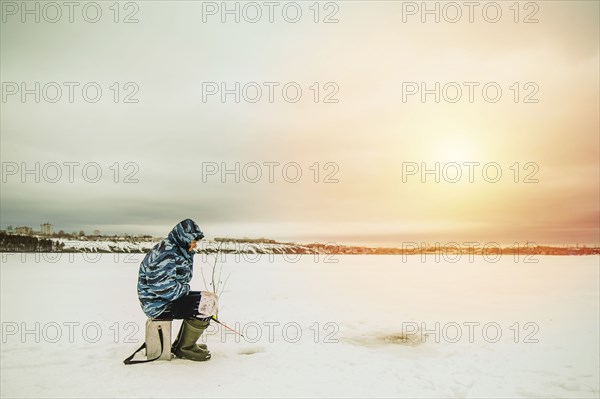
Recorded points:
(227,327)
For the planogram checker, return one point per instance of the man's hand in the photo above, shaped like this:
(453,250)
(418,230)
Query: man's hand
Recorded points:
(208,304)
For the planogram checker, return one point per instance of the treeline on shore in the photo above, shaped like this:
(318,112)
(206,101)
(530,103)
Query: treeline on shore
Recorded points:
(25,243)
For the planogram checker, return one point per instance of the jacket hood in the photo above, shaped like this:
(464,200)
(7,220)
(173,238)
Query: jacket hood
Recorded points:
(184,233)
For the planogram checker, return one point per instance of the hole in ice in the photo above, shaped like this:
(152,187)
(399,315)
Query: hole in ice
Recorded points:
(251,351)
(401,339)
(375,340)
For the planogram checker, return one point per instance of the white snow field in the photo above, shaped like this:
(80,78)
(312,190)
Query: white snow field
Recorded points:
(527,330)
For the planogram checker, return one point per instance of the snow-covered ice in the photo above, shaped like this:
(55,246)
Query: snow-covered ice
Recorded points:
(313,328)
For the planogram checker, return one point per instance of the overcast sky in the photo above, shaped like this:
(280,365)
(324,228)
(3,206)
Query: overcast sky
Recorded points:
(168,142)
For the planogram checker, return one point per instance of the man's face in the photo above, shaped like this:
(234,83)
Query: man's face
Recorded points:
(193,245)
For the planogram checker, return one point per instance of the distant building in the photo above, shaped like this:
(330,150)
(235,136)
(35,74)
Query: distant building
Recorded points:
(23,230)
(46,229)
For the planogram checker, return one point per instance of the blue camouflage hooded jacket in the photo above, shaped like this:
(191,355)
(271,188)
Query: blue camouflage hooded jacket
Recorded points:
(166,271)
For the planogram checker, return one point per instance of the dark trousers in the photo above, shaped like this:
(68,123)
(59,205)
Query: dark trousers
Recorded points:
(185,307)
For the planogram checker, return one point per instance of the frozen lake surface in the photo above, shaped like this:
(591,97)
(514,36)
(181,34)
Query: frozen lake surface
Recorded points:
(312,328)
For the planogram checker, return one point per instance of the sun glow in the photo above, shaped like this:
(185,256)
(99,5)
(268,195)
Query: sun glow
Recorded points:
(457,148)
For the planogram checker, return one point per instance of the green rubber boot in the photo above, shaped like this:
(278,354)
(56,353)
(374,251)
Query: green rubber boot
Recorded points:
(185,346)
(200,346)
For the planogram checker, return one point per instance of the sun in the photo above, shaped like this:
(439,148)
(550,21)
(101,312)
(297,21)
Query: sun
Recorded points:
(457,148)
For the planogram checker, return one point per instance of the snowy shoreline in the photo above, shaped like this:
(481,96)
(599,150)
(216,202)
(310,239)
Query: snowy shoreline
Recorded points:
(489,249)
